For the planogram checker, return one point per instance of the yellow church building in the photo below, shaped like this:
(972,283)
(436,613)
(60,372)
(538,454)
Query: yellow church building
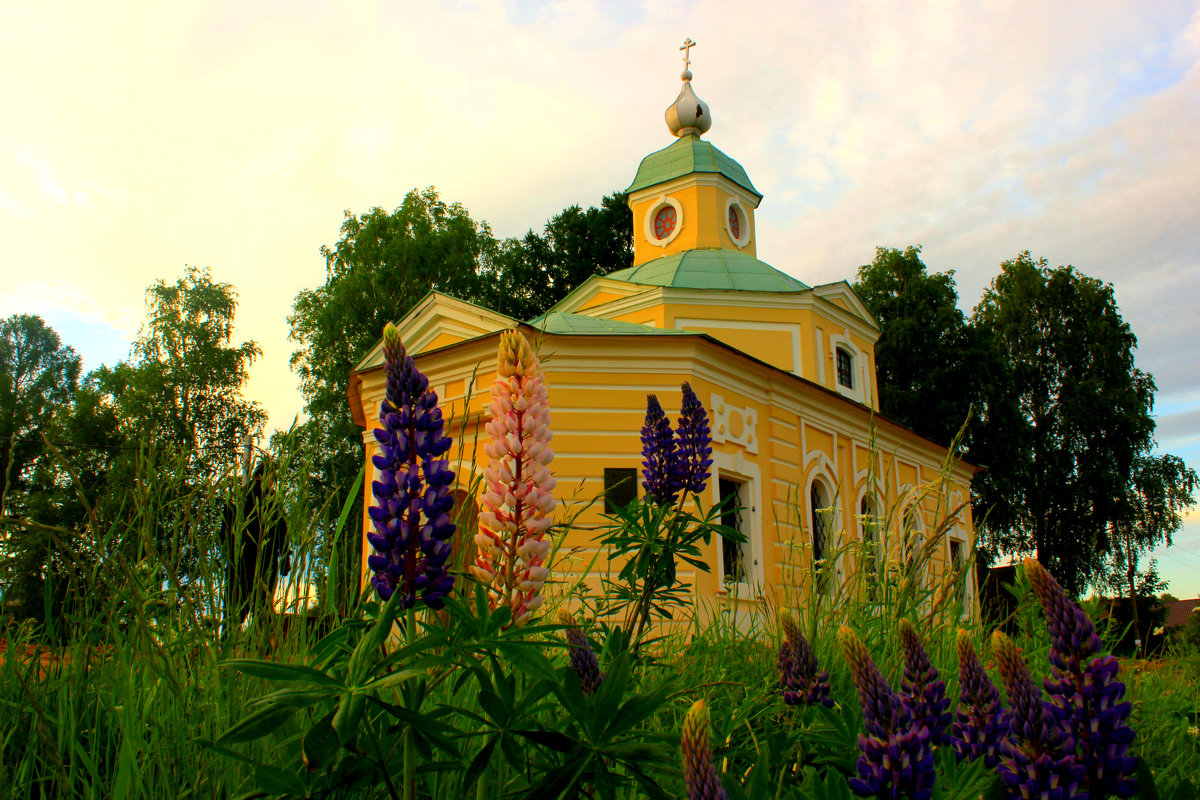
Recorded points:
(785,370)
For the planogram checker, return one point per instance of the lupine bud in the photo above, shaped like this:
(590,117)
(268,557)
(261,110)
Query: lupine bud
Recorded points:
(582,657)
(798,676)
(1084,692)
(518,499)
(921,689)
(896,759)
(699,773)
(1038,758)
(693,449)
(980,723)
(411,527)
(659,477)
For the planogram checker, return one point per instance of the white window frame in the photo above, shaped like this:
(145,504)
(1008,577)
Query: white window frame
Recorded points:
(734,466)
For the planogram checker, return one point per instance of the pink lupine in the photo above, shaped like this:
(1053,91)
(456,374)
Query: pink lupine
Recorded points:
(517,501)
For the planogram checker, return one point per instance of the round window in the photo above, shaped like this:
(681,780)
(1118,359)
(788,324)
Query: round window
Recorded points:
(737,225)
(664,222)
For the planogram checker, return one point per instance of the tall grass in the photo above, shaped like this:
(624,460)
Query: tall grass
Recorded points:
(137,701)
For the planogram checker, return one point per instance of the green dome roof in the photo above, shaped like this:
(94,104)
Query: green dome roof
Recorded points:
(686,155)
(711,269)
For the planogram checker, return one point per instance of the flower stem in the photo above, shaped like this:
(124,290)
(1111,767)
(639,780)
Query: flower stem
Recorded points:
(410,752)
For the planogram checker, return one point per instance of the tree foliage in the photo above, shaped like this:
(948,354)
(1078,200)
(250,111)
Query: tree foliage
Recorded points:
(183,388)
(1084,413)
(931,365)
(38,377)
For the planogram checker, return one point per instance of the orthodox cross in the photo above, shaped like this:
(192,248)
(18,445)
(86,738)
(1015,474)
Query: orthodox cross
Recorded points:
(688,44)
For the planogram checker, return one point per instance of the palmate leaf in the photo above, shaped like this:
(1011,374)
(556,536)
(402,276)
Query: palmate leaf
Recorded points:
(258,724)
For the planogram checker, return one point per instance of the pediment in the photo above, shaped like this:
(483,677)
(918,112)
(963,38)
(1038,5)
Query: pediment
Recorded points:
(439,320)
(840,294)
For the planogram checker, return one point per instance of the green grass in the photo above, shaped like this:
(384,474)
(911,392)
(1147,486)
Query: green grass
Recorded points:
(141,700)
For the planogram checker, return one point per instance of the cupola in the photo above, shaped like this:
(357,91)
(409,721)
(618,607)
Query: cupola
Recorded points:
(690,195)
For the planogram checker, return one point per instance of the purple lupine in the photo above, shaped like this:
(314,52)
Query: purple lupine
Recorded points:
(799,679)
(1038,755)
(659,465)
(896,759)
(582,657)
(921,689)
(693,444)
(699,772)
(411,512)
(1084,690)
(981,723)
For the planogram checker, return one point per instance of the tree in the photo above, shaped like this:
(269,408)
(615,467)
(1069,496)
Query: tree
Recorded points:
(1162,488)
(1084,414)
(533,273)
(38,376)
(184,386)
(931,365)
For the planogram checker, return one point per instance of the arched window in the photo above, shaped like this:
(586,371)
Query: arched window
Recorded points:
(818,503)
(869,522)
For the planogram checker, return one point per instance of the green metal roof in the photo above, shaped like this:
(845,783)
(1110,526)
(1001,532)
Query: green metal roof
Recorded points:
(711,269)
(559,322)
(686,155)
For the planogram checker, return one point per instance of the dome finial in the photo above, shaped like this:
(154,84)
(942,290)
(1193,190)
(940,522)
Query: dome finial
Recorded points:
(688,115)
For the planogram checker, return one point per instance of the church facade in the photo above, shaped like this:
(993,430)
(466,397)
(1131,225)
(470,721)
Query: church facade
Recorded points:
(785,370)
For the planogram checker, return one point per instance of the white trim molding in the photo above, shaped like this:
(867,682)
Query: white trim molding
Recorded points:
(722,429)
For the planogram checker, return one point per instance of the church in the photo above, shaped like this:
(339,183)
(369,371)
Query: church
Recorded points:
(786,371)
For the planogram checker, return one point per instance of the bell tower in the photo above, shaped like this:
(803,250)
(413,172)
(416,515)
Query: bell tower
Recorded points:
(690,195)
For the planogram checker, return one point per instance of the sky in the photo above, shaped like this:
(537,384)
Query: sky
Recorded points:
(139,138)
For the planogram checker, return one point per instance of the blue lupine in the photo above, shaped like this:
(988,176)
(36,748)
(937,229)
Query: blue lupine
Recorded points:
(1039,758)
(980,722)
(799,679)
(1084,692)
(581,656)
(659,477)
(921,689)
(693,449)
(411,513)
(896,759)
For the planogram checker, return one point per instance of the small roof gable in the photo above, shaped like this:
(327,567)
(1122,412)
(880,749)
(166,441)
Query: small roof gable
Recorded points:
(439,319)
(841,293)
(684,156)
(711,269)
(564,323)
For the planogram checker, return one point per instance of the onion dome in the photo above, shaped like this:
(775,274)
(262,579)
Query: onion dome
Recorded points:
(688,115)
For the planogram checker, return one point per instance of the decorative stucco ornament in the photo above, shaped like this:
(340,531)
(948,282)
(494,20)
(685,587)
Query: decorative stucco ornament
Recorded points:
(688,115)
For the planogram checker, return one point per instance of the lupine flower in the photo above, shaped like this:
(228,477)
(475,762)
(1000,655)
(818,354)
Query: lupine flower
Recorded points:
(798,676)
(1038,758)
(583,659)
(1084,691)
(921,689)
(659,464)
(693,448)
(680,462)
(517,501)
(980,722)
(699,772)
(896,759)
(411,513)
